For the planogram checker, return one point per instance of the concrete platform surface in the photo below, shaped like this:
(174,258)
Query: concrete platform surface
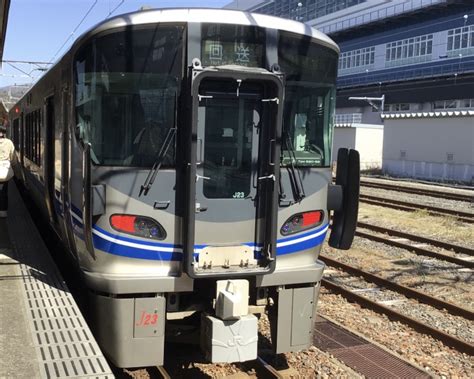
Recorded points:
(42,331)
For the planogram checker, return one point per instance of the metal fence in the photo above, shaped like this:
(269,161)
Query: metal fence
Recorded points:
(379,14)
(407,73)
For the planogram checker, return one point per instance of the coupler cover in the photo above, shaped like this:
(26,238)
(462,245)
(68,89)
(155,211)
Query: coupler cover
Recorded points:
(230,340)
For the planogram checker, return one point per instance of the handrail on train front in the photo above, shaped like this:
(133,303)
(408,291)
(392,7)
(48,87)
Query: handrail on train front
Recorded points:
(87,199)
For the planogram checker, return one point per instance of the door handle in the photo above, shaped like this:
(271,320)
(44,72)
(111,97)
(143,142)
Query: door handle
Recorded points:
(202,177)
(161,204)
(199,208)
(199,151)
(271,176)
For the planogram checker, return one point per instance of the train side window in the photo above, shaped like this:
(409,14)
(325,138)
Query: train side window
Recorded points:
(16,133)
(32,130)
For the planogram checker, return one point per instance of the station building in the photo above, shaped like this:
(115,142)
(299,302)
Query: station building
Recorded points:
(418,55)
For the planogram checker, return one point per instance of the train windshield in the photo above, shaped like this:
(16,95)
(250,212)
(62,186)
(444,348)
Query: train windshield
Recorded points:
(310,72)
(126,89)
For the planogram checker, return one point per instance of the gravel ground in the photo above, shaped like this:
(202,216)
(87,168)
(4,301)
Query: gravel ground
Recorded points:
(418,348)
(311,363)
(453,325)
(462,206)
(441,279)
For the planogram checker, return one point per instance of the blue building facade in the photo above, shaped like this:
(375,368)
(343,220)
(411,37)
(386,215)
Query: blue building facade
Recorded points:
(428,45)
(386,42)
(418,55)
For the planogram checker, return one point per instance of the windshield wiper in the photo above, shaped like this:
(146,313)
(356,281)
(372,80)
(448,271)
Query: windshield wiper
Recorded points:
(159,161)
(150,178)
(294,172)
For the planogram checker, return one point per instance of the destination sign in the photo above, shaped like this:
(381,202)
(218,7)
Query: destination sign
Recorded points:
(219,53)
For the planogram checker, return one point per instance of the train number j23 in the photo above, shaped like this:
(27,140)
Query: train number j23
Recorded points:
(147,319)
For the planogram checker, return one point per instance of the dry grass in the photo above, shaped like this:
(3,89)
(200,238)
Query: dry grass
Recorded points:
(419,222)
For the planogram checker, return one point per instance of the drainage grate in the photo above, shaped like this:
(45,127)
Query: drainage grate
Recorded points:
(63,342)
(361,355)
(329,336)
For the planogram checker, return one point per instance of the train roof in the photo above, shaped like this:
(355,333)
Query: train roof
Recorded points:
(197,15)
(208,15)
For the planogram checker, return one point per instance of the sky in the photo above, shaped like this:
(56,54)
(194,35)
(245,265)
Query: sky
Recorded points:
(37,29)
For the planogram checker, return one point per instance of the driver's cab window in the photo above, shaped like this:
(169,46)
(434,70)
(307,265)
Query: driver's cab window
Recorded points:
(127,87)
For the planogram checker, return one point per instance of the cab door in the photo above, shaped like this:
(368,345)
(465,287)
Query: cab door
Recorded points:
(234,175)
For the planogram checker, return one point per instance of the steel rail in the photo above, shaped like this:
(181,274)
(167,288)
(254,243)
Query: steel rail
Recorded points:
(411,207)
(158,372)
(419,206)
(460,345)
(419,191)
(416,238)
(406,291)
(263,369)
(416,250)
(267,370)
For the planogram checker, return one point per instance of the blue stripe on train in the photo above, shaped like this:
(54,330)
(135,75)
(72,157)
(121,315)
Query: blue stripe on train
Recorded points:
(118,245)
(132,252)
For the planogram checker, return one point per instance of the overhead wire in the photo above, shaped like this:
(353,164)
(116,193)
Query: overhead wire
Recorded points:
(18,69)
(113,10)
(28,62)
(74,31)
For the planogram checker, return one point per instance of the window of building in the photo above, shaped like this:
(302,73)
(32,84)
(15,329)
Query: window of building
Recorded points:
(410,50)
(349,118)
(398,107)
(461,41)
(357,58)
(454,104)
(309,9)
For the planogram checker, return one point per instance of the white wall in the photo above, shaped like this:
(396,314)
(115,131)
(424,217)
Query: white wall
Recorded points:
(369,143)
(435,148)
(343,137)
(367,140)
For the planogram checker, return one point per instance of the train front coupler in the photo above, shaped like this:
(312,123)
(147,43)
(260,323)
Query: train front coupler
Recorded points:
(231,334)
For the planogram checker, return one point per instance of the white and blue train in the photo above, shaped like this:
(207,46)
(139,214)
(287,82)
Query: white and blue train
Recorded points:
(183,158)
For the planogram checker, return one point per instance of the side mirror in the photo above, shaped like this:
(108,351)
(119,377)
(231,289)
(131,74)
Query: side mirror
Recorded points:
(345,217)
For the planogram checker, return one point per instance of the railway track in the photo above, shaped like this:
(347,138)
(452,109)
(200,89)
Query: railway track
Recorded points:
(411,207)
(415,238)
(419,191)
(447,339)
(403,290)
(416,249)
(258,368)
(159,372)
(412,243)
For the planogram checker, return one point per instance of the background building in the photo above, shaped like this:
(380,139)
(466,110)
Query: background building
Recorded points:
(420,55)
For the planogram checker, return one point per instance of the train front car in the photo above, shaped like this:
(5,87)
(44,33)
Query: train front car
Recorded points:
(200,172)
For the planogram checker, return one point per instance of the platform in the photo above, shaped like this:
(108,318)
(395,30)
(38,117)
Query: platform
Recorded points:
(42,331)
